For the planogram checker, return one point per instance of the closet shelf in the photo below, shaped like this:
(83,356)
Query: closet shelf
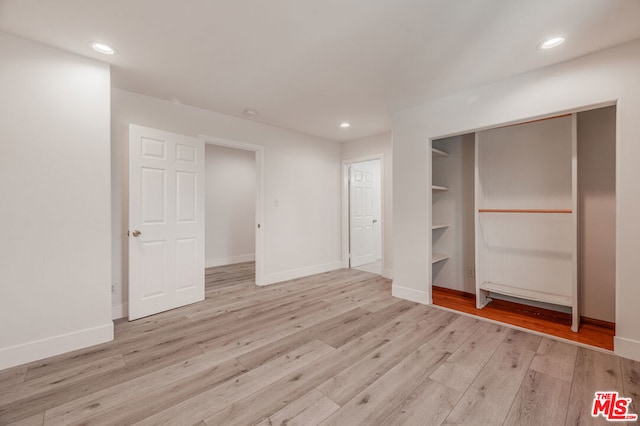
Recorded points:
(439,153)
(525,211)
(439,188)
(439,226)
(524,293)
(437,257)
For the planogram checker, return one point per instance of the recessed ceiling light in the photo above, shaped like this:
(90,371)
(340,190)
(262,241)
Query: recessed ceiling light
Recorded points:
(250,112)
(551,43)
(345,125)
(102,48)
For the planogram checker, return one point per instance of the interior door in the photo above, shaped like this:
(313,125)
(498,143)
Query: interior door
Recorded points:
(166,221)
(362,211)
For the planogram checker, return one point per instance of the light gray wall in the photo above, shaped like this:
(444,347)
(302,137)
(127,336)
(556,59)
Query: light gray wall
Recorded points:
(54,191)
(230,205)
(597,212)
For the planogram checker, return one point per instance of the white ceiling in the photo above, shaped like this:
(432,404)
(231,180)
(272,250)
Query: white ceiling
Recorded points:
(308,65)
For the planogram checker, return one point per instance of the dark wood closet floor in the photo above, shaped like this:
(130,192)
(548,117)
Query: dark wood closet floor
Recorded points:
(591,332)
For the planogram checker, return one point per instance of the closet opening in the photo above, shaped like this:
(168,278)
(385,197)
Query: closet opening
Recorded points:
(523,225)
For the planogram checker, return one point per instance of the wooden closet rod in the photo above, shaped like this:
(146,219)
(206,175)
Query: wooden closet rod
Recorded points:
(524,211)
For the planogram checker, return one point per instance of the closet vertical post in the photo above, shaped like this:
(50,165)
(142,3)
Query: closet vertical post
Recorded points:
(575,314)
(429,194)
(481,269)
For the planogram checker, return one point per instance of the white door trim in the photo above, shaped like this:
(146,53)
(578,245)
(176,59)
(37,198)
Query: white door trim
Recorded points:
(345,205)
(259,153)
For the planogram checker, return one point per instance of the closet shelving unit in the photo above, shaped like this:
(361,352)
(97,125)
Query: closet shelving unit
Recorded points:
(527,253)
(509,221)
(437,153)
(438,257)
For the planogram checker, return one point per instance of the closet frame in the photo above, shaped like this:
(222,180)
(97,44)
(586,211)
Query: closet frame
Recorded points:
(484,288)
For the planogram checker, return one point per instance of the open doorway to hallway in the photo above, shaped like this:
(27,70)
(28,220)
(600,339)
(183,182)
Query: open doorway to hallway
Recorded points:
(364,215)
(230,213)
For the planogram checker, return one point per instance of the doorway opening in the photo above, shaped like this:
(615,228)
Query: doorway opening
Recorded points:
(167,221)
(230,198)
(363,214)
(233,212)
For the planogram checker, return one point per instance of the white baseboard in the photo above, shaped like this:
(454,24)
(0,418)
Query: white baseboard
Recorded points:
(387,273)
(229,260)
(119,311)
(410,294)
(278,277)
(51,346)
(626,348)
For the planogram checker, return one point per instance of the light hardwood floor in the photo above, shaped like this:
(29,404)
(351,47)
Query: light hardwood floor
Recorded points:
(331,349)
(592,332)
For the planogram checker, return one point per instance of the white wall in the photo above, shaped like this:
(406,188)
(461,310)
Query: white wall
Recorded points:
(302,176)
(54,191)
(366,147)
(597,211)
(597,79)
(526,167)
(230,205)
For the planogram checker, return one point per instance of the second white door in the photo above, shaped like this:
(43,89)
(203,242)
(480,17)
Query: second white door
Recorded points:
(364,212)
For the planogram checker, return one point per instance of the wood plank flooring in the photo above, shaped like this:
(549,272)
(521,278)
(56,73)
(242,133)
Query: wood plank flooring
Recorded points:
(592,332)
(330,349)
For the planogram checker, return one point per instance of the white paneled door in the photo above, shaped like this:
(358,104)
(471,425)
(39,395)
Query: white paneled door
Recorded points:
(363,211)
(166,221)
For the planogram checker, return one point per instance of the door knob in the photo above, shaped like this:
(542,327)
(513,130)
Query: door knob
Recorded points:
(136,233)
(375,220)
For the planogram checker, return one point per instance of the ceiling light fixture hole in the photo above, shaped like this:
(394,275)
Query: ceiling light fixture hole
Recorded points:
(105,49)
(551,43)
